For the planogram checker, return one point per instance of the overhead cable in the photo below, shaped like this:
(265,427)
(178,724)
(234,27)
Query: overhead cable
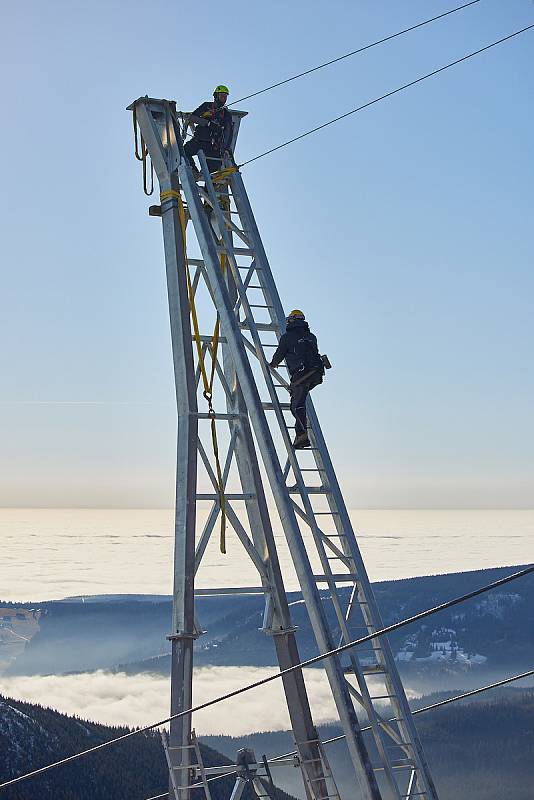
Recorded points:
(447,700)
(275,676)
(355,52)
(440,704)
(388,94)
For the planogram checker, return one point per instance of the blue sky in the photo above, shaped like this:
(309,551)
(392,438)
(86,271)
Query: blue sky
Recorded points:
(405,232)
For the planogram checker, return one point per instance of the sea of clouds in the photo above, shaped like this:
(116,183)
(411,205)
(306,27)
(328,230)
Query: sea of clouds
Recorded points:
(117,698)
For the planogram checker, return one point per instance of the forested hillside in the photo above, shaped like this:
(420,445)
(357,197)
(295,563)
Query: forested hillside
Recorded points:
(477,751)
(32,736)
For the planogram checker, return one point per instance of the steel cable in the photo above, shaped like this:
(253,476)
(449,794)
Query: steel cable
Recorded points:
(431,707)
(355,52)
(308,662)
(385,96)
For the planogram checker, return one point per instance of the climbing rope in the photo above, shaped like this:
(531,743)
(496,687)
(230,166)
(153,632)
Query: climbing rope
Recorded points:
(206,381)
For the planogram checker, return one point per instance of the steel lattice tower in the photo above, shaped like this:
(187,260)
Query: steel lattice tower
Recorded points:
(388,759)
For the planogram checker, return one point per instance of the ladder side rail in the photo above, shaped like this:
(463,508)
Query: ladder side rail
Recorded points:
(372,615)
(172,777)
(334,496)
(328,770)
(276,406)
(200,765)
(377,724)
(365,698)
(265,276)
(231,331)
(239,787)
(260,526)
(183,618)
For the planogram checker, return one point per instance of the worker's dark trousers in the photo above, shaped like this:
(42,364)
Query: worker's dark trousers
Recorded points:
(299,392)
(192,147)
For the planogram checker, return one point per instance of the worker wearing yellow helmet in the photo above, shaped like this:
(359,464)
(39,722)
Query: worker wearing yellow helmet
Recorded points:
(298,346)
(213,130)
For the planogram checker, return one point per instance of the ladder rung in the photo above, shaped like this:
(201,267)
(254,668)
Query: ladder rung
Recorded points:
(253,305)
(247,496)
(372,670)
(335,577)
(205,415)
(238,251)
(332,513)
(394,765)
(309,489)
(261,326)
(181,747)
(272,407)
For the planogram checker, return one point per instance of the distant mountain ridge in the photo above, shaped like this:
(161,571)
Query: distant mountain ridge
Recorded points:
(484,633)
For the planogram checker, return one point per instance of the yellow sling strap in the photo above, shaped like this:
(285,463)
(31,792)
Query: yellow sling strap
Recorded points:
(207,383)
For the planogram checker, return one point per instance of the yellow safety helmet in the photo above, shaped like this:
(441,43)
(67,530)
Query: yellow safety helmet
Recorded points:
(296,314)
(222,88)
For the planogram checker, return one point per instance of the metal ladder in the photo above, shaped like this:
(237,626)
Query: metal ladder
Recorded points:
(400,762)
(179,790)
(310,780)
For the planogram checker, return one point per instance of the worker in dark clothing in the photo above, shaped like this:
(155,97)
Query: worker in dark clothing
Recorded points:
(213,131)
(298,346)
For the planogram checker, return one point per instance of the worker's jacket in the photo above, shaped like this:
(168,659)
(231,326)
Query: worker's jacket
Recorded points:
(219,131)
(298,346)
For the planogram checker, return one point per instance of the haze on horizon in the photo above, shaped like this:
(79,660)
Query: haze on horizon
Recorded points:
(404,232)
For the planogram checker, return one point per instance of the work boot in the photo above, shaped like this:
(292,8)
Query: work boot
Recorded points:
(301,441)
